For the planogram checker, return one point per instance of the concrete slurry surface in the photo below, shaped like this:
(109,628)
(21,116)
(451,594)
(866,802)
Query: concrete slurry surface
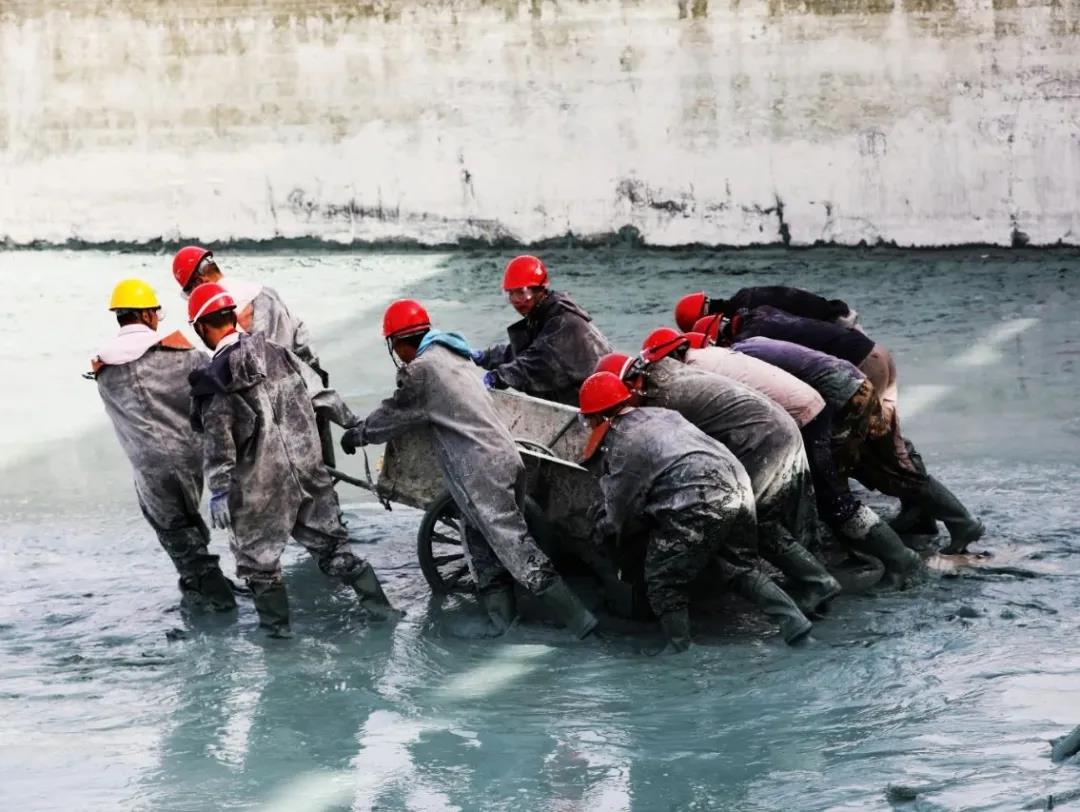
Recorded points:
(944,697)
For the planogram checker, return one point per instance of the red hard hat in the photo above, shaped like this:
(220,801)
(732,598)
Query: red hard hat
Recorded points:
(404,317)
(689,309)
(661,342)
(185,262)
(698,341)
(206,299)
(524,272)
(601,392)
(710,326)
(616,363)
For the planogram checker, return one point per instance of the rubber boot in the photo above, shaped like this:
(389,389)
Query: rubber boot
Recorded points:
(501,609)
(217,590)
(760,590)
(868,533)
(913,520)
(963,528)
(676,627)
(272,604)
(566,607)
(810,584)
(372,598)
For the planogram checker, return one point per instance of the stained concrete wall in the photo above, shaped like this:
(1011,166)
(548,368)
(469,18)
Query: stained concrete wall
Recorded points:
(923,122)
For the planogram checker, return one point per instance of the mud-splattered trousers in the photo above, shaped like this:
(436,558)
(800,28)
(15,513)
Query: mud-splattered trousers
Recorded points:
(441,392)
(759,433)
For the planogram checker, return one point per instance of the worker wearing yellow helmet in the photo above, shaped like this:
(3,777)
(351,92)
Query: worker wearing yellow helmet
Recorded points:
(142,377)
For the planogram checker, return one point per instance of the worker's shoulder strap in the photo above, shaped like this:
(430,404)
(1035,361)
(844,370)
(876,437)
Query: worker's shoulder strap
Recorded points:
(176,341)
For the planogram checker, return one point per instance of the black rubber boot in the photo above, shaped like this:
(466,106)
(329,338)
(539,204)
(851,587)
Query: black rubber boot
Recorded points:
(963,528)
(867,533)
(372,598)
(272,604)
(217,590)
(501,608)
(809,583)
(913,520)
(561,602)
(676,626)
(760,590)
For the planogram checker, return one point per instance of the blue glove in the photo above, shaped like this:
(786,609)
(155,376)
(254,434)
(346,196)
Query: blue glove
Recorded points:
(353,438)
(477,356)
(493,381)
(219,510)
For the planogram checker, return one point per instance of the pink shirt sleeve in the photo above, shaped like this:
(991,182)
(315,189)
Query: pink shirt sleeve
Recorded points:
(800,400)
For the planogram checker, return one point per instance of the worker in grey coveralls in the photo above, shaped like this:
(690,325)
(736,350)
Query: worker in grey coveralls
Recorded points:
(254,404)
(552,349)
(142,379)
(765,440)
(259,309)
(438,390)
(691,495)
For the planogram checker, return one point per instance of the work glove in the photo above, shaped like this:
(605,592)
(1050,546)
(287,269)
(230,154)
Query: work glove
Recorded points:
(477,356)
(353,438)
(219,510)
(493,381)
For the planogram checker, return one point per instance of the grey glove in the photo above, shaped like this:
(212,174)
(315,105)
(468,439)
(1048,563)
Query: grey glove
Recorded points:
(219,510)
(353,438)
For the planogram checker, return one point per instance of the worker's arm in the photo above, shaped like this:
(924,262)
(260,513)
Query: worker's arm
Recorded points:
(218,421)
(324,400)
(493,356)
(401,412)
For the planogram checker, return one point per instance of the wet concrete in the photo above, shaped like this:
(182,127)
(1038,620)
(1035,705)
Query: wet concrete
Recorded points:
(949,695)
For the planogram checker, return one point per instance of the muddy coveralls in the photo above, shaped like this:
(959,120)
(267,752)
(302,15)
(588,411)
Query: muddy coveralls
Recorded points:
(768,444)
(440,392)
(898,471)
(696,502)
(551,352)
(795,301)
(142,379)
(254,404)
(260,309)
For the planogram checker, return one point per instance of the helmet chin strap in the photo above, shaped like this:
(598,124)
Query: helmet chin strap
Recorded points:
(393,356)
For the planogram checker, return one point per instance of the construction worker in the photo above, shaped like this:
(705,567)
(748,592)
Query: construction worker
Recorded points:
(796,301)
(254,405)
(552,349)
(760,435)
(439,391)
(142,376)
(259,309)
(692,496)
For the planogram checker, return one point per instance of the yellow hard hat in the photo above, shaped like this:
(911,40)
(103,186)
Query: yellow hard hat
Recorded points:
(133,294)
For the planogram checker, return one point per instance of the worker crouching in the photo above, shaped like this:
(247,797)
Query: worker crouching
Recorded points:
(255,404)
(693,496)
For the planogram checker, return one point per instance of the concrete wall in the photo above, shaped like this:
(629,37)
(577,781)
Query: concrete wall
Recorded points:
(924,122)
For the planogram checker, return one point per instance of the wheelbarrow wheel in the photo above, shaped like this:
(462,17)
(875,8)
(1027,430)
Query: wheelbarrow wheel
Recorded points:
(440,550)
